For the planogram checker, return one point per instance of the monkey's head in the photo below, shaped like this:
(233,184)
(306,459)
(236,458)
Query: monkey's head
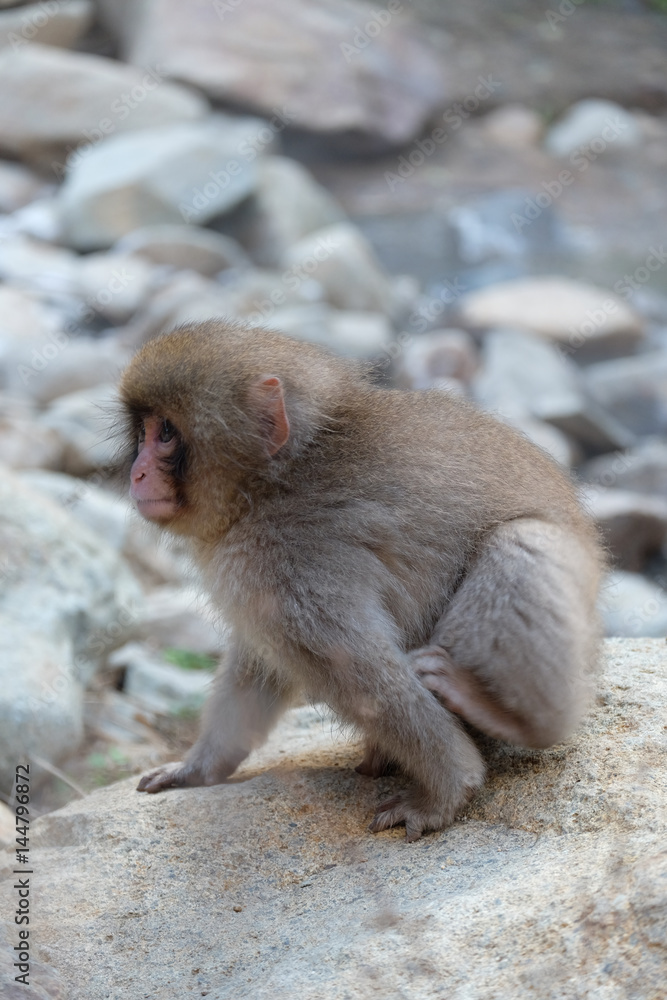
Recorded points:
(215,410)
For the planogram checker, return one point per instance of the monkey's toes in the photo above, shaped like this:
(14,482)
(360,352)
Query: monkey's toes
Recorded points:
(167,776)
(398,810)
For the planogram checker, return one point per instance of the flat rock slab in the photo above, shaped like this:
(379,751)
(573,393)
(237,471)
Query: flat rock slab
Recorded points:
(553,885)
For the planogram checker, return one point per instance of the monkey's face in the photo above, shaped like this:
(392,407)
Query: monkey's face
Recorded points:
(152,483)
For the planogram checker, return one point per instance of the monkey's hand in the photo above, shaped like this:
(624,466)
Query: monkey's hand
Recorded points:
(180,774)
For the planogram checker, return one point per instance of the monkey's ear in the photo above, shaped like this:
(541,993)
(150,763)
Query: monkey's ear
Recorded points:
(269,400)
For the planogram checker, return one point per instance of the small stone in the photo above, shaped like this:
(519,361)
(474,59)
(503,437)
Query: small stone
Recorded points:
(343,262)
(633,526)
(60,24)
(513,125)
(587,322)
(523,377)
(156,684)
(443,354)
(184,248)
(57,103)
(81,420)
(633,389)
(18,186)
(287,205)
(642,469)
(180,173)
(633,606)
(237,909)
(593,121)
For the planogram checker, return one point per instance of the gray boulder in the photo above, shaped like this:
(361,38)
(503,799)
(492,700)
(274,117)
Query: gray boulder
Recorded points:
(366,75)
(57,103)
(181,173)
(66,599)
(551,884)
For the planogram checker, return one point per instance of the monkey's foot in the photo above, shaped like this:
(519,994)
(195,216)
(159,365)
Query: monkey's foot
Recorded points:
(403,809)
(418,816)
(463,693)
(375,764)
(176,775)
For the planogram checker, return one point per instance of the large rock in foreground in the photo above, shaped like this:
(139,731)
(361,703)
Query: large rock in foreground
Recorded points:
(553,885)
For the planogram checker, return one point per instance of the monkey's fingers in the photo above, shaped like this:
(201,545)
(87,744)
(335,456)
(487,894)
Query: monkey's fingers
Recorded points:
(167,776)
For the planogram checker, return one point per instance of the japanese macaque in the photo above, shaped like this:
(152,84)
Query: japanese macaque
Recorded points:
(398,555)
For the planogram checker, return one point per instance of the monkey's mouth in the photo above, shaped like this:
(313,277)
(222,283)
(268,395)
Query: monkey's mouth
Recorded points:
(157,509)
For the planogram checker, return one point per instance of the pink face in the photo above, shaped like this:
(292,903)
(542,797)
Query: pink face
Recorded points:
(151,488)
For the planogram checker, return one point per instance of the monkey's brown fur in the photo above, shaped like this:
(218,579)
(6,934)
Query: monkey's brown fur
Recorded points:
(398,544)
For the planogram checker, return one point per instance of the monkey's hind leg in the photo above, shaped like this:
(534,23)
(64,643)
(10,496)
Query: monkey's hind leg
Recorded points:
(513,651)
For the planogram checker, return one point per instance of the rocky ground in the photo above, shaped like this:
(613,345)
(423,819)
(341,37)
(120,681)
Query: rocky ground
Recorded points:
(470,196)
(551,885)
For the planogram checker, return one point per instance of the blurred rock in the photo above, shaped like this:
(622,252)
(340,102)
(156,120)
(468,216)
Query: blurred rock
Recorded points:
(30,337)
(599,125)
(39,265)
(82,363)
(7,826)
(66,599)
(181,618)
(633,389)
(57,23)
(103,514)
(365,75)
(184,247)
(554,872)
(442,354)
(513,125)
(523,376)
(18,186)
(355,334)
(182,173)
(343,262)
(154,558)
(488,229)
(115,285)
(588,322)
(557,444)
(633,606)
(359,334)
(56,103)
(642,469)
(83,420)
(156,684)
(26,444)
(634,527)
(287,205)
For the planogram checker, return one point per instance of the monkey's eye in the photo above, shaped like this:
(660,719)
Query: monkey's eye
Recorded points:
(167,431)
